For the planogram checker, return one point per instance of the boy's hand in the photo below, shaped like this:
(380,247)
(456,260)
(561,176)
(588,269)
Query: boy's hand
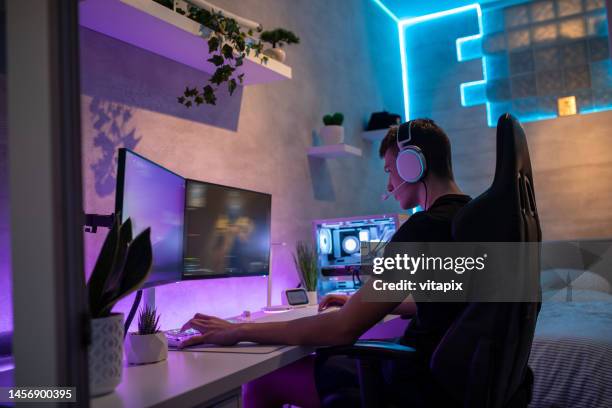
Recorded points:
(332,300)
(213,329)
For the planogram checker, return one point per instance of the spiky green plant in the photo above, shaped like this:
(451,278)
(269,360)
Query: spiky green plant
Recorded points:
(279,37)
(121,268)
(148,321)
(305,259)
(333,120)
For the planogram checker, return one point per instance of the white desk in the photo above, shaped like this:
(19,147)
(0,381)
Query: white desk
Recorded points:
(202,379)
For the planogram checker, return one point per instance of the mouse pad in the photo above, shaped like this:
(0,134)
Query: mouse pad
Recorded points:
(243,347)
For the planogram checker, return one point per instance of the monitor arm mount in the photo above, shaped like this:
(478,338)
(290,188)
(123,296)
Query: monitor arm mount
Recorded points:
(93,221)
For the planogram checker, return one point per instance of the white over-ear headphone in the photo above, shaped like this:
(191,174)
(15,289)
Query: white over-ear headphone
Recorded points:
(411,164)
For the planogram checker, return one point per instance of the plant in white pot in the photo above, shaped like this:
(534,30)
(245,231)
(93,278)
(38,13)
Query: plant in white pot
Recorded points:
(121,268)
(149,344)
(278,38)
(333,132)
(305,259)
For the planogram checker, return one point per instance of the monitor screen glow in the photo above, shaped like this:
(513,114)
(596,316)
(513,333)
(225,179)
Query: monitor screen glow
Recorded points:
(152,196)
(227,231)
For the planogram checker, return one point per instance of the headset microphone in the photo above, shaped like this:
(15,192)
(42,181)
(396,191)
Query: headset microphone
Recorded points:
(385,196)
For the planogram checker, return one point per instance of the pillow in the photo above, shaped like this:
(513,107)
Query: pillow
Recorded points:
(550,279)
(557,278)
(577,295)
(591,281)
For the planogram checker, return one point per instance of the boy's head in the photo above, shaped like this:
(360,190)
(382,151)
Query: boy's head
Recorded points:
(434,145)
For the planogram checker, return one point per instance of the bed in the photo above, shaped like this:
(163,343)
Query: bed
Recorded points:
(571,354)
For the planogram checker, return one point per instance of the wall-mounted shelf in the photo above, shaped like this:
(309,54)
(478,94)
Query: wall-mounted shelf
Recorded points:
(155,28)
(334,151)
(375,135)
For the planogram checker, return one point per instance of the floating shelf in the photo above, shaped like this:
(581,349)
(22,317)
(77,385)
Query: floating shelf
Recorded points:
(334,151)
(374,135)
(155,28)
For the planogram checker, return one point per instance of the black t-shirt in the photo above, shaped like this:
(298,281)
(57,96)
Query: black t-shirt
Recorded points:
(434,225)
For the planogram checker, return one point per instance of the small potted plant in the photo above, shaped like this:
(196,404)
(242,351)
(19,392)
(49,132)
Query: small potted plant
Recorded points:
(333,132)
(149,344)
(277,38)
(305,259)
(121,268)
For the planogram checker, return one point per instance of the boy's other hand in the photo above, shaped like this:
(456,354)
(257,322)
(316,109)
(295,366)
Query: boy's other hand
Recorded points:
(214,331)
(332,300)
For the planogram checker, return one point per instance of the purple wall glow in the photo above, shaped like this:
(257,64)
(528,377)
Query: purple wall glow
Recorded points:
(178,302)
(6,299)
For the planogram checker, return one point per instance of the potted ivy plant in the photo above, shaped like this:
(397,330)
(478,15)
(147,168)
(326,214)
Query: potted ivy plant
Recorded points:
(122,267)
(148,344)
(332,132)
(278,38)
(305,259)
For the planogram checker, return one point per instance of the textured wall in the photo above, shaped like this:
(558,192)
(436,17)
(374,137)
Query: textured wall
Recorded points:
(256,140)
(571,156)
(348,61)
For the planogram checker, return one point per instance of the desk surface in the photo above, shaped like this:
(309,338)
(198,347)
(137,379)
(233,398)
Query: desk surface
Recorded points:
(191,378)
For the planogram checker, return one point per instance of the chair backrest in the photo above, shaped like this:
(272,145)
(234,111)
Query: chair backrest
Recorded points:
(482,359)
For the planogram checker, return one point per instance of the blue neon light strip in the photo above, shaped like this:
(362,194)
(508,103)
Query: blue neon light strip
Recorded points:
(386,10)
(473,93)
(402,24)
(469,48)
(597,109)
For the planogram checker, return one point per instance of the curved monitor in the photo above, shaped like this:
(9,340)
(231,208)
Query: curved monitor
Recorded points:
(153,196)
(227,231)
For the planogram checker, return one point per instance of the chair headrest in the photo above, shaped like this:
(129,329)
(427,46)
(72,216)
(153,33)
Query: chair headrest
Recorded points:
(507,211)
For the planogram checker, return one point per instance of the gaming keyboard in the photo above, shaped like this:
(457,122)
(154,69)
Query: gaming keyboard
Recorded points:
(176,336)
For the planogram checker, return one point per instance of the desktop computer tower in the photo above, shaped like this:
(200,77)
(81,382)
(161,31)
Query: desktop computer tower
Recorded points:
(339,244)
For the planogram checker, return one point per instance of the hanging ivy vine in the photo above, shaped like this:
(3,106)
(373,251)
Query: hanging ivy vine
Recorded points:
(228,46)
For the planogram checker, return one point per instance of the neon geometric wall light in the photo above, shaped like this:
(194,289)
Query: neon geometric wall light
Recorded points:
(403,24)
(532,54)
(475,92)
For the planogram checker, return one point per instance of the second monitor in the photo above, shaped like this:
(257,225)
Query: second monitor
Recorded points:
(227,231)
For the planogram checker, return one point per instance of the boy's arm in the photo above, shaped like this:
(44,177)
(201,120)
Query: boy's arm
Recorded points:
(344,326)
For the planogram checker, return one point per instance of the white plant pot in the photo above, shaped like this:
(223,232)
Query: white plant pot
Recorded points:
(276,53)
(105,354)
(145,349)
(312,298)
(332,134)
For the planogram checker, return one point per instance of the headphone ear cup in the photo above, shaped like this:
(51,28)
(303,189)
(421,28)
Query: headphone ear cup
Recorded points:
(410,164)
